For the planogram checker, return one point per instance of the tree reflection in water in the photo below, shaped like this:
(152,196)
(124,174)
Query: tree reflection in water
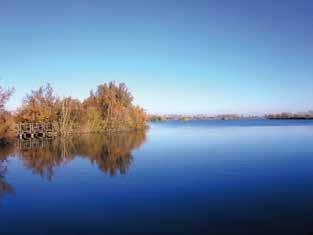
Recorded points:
(112,153)
(5,188)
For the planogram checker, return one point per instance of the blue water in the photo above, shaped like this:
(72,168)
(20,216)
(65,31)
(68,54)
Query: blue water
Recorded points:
(195,177)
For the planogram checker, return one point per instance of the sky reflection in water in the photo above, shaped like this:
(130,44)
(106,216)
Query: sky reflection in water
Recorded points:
(244,177)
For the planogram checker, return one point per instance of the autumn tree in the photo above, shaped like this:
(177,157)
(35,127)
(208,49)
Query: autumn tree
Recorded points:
(69,115)
(109,108)
(113,105)
(6,121)
(38,106)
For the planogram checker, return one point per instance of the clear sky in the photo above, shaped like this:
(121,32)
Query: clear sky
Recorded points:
(183,56)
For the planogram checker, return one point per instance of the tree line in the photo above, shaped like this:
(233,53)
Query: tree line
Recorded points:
(108,108)
(297,116)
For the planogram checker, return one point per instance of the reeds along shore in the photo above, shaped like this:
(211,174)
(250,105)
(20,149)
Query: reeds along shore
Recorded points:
(108,108)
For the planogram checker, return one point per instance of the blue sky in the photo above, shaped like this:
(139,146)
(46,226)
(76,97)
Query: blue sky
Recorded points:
(247,57)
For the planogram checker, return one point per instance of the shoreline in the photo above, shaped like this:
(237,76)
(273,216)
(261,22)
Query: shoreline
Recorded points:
(219,119)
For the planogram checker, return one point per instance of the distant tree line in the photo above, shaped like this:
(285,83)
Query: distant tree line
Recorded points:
(108,108)
(156,118)
(161,118)
(303,116)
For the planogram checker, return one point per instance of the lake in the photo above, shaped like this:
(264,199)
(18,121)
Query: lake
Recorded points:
(196,177)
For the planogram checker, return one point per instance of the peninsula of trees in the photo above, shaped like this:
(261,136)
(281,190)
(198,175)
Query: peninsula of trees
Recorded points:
(109,108)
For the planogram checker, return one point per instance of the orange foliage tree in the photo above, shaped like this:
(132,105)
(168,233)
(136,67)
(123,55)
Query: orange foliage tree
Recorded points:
(38,106)
(108,108)
(6,121)
(69,115)
(112,104)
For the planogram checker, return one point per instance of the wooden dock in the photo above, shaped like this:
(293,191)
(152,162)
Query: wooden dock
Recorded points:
(36,130)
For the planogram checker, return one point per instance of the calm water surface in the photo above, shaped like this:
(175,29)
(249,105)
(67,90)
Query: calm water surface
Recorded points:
(197,177)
